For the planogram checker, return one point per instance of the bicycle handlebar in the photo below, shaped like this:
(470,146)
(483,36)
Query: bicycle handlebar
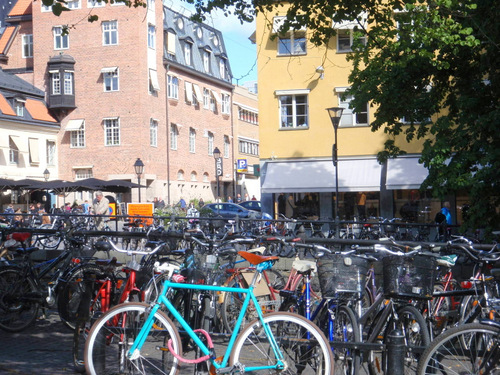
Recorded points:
(138,252)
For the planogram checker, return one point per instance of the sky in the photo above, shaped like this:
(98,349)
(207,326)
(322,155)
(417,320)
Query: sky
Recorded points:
(241,52)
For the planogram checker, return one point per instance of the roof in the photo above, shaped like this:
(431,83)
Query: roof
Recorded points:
(6,35)
(11,82)
(21,8)
(5,107)
(38,110)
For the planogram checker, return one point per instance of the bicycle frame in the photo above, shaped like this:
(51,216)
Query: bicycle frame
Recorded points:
(249,296)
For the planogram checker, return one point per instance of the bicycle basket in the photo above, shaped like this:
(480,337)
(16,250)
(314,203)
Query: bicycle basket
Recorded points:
(340,274)
(409,277)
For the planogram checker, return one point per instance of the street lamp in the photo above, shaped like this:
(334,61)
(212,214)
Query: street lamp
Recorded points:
(218,168)
(139,170)
(46,175)
(335,114)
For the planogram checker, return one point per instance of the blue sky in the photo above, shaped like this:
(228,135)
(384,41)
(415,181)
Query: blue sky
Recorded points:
(241,52)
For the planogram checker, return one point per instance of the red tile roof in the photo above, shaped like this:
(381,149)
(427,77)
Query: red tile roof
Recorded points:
(22,8)
(5,38)
(38,110)
(5,107)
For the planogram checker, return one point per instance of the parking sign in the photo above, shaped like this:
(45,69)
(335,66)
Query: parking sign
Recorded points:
(242,166)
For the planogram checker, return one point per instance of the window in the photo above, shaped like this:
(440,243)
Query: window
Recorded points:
(248,116)
(205,177)
(188,47)
(206,98)
(227,146)
(68,83)
(111,80)
(174,135)
(19,107)
(73,4)
(109,33)
(192,140)
(152,36)
(56,83)
(81,174)
(222,68)
(213,103)
(349,117)
(78,137)
(154,84)
(61,39)
(345,39)
(151,4)
(180,174)
(225,103)
(112,132)
(206,61)
(194,176)
(153,133)
(293,111)
(27,45)
(170,45)
(13,152)
(173,87)
(95,3)
(51,153)
(210,143)
(294,43)
(249,147)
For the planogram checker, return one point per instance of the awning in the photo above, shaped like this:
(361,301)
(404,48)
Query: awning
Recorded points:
(189,91)
(33,146)
(111,69)
(74,125)
(216,96)
(405,173)
(153,76)
(197,92)
(319,176)
(360,21)
(21,146)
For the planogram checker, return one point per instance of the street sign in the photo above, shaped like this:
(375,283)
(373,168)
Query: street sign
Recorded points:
(241,166)
(218,167)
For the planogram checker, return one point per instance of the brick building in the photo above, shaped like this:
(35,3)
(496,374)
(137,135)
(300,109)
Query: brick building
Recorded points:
(142,83)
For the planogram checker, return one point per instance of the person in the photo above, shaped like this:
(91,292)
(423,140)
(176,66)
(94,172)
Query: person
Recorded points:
(361,204)
(253,198)
(182,204)
(192,211)
(290,207)
(446,212)
(229,199)
(246,197)
(86,207)
(10,213)
(282,204)
(238,198)
(443,219)
(100,206)
(161,203)
(201,203)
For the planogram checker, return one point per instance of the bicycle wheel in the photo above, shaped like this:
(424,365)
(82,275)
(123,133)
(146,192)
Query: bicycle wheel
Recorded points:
(416,335)
(49,241)
(113,334)
(346,329)
(447,354)
(304,348)
(441,311)
(19,300)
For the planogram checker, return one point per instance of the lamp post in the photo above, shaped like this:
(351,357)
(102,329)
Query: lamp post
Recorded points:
(48,204)
(139,170)
(335,114)
(218,168)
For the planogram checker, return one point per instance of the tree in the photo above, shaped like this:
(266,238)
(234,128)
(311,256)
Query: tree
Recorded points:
(434,64)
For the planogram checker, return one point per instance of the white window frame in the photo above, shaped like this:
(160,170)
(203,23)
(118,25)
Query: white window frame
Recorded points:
(56,83)
(27,41)
(19,108)
(206,61)
(77,137)
(173,86)
(206,98)
(112,131)
(153,132)
(349,117)
(188,53)
(95,4)
(111,80)
(83,173)
(248,115)
(299,109)
(227,146)
(51,152)
(225,103)
(151,36)
(110,33)
(222,68)
(192,140)
(68,83)
(194,176)
(174,136)
(73,4)
(292,44)
(210,143)
(13,152)
(347,34)
(250,147)
(60,41)
(180,174)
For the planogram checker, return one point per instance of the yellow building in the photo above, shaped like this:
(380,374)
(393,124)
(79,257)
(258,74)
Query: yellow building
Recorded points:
(297,82)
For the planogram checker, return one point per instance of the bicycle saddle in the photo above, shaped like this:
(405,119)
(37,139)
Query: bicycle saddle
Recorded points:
(255,259)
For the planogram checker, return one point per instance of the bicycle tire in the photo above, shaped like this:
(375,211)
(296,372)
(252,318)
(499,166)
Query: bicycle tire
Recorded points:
(106,354)
(19,299)
(71,291)
(447,354)
(346,329)
(305,348)
(49,241)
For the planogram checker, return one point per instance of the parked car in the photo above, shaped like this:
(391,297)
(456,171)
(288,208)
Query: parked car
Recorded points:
(233,210)
(252,205)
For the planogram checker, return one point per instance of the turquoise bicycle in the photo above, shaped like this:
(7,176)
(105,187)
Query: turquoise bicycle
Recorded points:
(137,338)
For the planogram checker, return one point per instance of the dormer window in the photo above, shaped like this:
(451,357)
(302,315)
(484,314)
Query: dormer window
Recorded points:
(188,49)
(206,61)
(61,80)
(19,107)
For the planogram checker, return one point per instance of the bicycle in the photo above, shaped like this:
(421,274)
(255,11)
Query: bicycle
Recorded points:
(140,338)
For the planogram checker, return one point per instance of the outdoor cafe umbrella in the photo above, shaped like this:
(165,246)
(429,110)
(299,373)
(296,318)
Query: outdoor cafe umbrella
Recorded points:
(60,186)
(8,184)
(112,186)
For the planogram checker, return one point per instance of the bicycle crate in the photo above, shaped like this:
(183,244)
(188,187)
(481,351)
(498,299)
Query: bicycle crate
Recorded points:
(341,274)
(409,277)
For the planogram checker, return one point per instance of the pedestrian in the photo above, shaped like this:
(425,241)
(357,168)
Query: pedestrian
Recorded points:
(201,203)
(282,204)
(446,212)
(182,204)
(100,206)
(246,197)
(290,207)
(253,198)
(361,205)
(229,199)
(86,207)
(238,198)
(161,203)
